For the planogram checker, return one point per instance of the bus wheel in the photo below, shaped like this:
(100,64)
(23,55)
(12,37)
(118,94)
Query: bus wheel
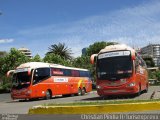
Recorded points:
(139,92)
(83,91)
(79,92)
(48,95)
(146,90)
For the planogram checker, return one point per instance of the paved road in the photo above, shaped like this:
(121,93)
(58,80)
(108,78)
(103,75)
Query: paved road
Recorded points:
(15,107)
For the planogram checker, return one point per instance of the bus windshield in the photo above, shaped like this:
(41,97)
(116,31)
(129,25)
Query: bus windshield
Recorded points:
(21,80)
(114,68)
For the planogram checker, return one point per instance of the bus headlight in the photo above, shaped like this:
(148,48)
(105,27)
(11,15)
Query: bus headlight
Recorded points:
(131,84)
(98,87)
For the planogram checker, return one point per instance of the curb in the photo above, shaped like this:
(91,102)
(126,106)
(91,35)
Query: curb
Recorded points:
(96,109)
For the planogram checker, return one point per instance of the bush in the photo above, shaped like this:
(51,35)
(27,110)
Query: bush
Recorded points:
(5,85)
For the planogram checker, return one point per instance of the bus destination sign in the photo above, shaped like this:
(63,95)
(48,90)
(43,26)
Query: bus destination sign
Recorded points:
(114,54)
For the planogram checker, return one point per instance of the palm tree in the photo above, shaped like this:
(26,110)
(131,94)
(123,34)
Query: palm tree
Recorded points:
(61,50)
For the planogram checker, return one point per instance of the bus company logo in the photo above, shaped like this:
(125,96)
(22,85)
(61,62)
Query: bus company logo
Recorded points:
(57,72)
(60,79)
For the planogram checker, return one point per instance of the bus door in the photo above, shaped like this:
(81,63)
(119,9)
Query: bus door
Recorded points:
(34,84)
(140,73)
(142,79)
(39,86)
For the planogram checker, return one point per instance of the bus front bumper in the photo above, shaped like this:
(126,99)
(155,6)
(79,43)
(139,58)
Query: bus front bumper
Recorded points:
(15,94)
(117,91)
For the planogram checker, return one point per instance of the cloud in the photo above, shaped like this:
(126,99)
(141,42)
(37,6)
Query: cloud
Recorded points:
(6,41)
(136,26)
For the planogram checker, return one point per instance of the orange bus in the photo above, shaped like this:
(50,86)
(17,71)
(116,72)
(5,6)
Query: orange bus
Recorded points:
(120,71)
(37,80)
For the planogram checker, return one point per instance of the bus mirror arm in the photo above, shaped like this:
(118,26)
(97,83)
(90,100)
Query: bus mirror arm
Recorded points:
(29,72)
(93,58)
(10,72)
(133,57)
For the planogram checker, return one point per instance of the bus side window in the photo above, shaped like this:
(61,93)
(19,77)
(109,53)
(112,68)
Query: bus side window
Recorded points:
(85,74)
(75,73)
(136,64)
(57,72)
(67,72)
(41,74)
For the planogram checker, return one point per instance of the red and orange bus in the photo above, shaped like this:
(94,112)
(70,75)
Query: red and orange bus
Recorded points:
(37,79)
(120,71)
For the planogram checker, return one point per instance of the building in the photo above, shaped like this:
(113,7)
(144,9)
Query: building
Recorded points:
(26,52)
(138,50)
(2,53)
(84,51)
(153,51)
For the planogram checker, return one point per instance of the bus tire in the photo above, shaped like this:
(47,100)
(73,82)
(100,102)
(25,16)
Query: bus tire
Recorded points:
(48,94)
(146,90)
(83,91)
(79,92)
(139,92)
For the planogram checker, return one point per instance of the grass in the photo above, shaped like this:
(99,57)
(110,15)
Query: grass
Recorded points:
(101,102)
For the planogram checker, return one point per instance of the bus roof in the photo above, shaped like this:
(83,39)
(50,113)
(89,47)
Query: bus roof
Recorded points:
(116,47)
(34,65)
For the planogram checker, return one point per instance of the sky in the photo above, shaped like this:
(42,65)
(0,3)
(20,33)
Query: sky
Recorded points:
(38,24)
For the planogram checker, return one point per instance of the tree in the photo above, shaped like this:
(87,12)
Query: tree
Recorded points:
(97,46)
(36,58)
(149,61)
(82,62)
(10,61)
(61,50)
(158,75)
(56,59)
(152,74)
(13,59)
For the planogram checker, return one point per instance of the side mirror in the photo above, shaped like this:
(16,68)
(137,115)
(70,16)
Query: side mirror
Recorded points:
(29,72)
(93,58)
(133,55)
(10,72)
